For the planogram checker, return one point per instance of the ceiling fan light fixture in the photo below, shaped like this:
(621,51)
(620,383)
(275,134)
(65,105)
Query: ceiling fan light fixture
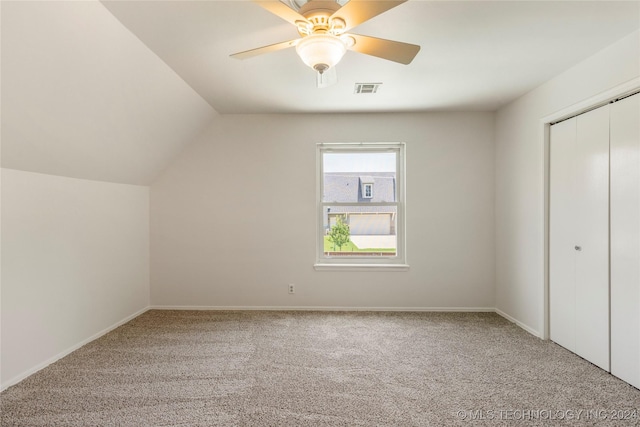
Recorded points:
(321,51)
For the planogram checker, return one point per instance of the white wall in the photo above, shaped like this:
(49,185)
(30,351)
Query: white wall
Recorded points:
(233,218)
(83,97)
(75,261)
(520,175)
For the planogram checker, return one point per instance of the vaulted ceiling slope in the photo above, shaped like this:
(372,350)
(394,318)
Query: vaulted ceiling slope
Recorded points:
(83,97)
(475,55)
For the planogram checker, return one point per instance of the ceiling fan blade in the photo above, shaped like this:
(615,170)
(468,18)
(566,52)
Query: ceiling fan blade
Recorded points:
(264,49)
(385,49)
(355,12)
(282,10)
(327,78)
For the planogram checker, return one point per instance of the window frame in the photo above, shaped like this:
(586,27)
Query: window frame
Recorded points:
(364,263)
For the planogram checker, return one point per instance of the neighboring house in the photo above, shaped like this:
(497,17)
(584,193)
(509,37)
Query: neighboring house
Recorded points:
(361,188)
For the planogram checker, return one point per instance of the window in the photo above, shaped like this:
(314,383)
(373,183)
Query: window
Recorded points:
(368,191)
(360,205)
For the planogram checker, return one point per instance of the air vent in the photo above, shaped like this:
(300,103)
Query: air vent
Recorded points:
(367,87)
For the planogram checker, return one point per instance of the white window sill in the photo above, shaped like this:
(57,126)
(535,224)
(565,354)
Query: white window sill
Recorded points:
(361,267)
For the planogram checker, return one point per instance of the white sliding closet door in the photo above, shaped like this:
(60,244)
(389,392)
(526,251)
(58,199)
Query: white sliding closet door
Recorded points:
(625,239)
(592,236)
(579,235)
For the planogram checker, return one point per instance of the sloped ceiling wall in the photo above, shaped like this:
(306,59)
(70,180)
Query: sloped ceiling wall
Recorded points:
(83,97)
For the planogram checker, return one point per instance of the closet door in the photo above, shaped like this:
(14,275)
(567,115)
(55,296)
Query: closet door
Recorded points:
(579,235)
(592,236)
(625,240)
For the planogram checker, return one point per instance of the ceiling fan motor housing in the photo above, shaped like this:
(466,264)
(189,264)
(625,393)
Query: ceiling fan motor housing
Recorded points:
(318,19)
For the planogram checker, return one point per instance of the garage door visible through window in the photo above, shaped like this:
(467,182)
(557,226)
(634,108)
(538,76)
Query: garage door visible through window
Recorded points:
(367,224)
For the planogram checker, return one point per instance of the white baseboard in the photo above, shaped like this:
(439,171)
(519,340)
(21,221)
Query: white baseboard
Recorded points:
(62,354)
(519,323)
(321,308)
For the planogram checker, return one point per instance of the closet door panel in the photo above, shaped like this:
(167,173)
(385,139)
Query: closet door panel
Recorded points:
(625,239)
(592,236)
(562,293)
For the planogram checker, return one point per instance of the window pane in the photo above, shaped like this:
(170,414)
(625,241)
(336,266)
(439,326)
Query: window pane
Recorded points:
(359,162)
(359,177)
(358,230)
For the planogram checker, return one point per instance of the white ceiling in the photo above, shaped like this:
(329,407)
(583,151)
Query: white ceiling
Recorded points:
(476,55)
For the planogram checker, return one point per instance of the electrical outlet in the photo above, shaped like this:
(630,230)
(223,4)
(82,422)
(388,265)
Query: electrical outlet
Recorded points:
(292,289)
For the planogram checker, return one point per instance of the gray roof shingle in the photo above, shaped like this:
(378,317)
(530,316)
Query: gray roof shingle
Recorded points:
(345,187)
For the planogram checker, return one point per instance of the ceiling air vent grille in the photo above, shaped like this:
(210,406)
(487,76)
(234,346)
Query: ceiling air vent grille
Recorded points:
(367,87)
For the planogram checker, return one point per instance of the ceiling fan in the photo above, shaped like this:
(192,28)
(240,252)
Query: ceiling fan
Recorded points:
(323,26)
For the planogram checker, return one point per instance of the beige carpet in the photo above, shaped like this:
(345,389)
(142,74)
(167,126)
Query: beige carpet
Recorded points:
(199,368)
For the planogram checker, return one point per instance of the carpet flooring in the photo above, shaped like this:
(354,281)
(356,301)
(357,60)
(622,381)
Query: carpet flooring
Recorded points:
(204,368)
